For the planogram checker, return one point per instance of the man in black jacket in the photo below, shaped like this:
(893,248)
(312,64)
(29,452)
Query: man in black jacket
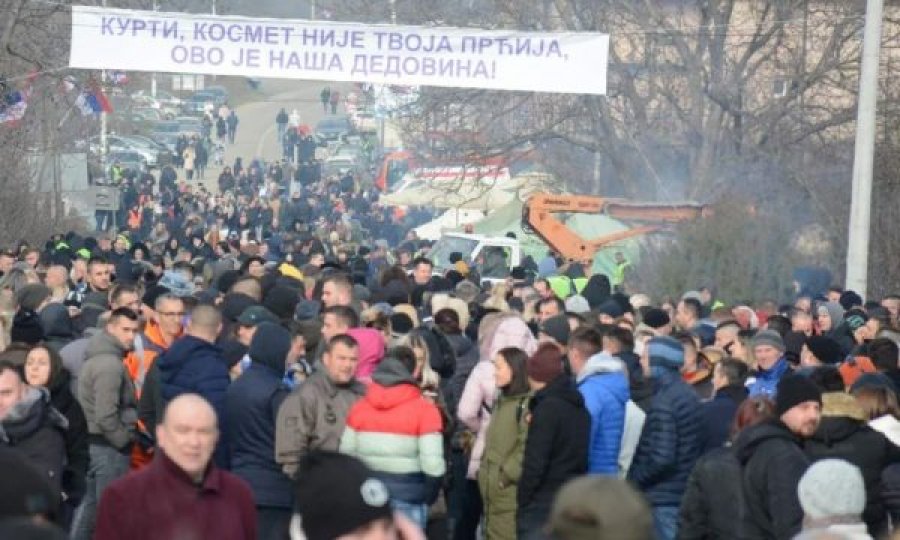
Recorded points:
(773,461)
(557,446)
(728,380)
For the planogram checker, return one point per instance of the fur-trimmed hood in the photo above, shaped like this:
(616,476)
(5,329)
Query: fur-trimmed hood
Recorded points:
(836,404)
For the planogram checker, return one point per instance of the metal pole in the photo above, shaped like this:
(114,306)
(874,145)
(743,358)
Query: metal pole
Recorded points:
(312,10)
(153,75)
(393,11)
(103,141)
(863,161)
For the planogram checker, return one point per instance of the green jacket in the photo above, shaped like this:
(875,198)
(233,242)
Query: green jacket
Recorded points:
(501,465)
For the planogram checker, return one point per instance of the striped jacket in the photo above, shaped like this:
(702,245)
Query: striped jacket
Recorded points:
(397,433)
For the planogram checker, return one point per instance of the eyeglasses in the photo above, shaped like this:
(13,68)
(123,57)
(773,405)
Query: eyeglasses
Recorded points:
(172,313)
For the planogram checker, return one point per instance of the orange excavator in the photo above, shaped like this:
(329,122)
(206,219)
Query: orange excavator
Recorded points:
(538,217)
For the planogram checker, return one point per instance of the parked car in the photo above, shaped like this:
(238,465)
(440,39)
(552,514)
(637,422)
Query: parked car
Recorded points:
(333,128)
(163,97)
(117,144)
(220,92)
(163,154)
(190,126)
(164,109)
(165,128)
(128,160)
(147,113)
(196,104)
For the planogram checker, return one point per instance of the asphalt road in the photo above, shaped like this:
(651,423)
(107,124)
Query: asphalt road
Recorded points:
(257,135)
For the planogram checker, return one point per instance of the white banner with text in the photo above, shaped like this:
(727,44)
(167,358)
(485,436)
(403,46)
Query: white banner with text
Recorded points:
(106,38)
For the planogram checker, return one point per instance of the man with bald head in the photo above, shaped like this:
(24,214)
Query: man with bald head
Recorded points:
(181,494)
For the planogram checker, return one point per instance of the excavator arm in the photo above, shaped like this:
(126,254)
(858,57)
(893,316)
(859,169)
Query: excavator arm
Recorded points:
(538,217)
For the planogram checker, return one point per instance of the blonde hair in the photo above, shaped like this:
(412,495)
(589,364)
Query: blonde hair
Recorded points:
(428,378)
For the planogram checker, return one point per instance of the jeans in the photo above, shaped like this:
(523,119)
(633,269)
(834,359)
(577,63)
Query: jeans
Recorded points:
(530,521)
(665,522)
(416,512)
(106,465)
(273,523)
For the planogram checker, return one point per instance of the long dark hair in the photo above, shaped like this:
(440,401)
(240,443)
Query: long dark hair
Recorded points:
(447,321)
(516,358)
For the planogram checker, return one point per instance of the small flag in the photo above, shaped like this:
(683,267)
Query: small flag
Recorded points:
(117,77)
(13,113)
(101,99)
(87,104)
(68,83)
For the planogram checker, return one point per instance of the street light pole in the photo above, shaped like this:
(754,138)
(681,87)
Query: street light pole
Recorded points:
(153,75)
(863,160)
(393,11)
(103,126)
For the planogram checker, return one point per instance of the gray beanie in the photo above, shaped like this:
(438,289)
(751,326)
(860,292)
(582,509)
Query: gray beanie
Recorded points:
(825,479)
(769,337)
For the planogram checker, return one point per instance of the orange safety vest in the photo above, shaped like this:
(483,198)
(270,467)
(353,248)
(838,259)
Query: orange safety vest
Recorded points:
(134,219)
(138,364)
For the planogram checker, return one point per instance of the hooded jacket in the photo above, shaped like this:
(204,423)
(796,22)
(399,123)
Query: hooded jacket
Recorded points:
(193,365)
(74,356)
(371,351)
(251,407)
(671,441)
(604,387)
(397,433)
(557,446)
(844,434)
(772,464)
(58,328)
(37,430)
(106,394)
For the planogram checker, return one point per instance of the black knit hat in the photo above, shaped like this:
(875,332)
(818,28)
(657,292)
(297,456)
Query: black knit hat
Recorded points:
(27,328)
(656,318)
(794,390)
(337,494)
(827,350)
(558,328)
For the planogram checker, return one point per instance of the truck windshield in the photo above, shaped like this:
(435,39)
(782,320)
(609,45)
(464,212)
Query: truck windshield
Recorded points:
(440,252)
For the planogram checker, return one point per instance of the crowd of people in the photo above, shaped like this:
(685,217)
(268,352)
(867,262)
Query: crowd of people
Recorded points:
(229,389)
(281,359)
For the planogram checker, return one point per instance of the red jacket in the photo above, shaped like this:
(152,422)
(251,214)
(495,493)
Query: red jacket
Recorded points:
(161,502)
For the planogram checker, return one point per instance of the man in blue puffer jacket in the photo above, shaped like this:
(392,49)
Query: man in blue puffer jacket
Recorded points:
(603,384)
(672,438)
(195,365)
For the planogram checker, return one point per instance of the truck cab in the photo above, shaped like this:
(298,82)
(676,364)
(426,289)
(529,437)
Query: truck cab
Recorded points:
(492,256)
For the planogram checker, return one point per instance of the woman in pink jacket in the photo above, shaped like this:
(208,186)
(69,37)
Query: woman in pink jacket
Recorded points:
(496,331)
